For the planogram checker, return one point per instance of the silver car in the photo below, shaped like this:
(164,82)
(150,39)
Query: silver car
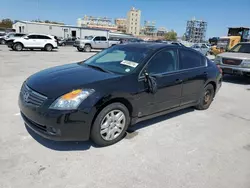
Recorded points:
(235,61)
(202,48)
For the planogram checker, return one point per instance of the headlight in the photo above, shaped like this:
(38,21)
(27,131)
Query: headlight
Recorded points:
(217,60)
(71,100)
(245,63)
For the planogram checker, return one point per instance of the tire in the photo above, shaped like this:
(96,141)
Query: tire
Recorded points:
(18,47)
(102,134)
(63,44)
(87,48)
(206,98)
(48,47)
(79,49)
(3,41)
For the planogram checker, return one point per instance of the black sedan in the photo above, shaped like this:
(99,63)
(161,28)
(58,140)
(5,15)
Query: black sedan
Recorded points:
(100,97)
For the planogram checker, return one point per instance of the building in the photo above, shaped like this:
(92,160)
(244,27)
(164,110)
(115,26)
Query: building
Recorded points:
(148,29)
(196,31)
(121,24)
(97,23)
(64,31)
(161,31)
(133,21)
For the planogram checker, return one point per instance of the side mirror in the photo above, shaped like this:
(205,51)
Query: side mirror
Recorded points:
(151,82)
(26,38)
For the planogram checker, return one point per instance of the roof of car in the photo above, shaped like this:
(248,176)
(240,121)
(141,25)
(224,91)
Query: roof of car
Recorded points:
(151,45)
(39,34)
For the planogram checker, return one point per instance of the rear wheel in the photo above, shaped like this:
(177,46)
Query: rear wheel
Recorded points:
(48,47)
(87,48)
(18,47)
(2,41)
(110,124)
(206,98)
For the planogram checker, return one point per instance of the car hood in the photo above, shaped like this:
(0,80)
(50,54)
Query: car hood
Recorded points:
(56,81)
(235,55)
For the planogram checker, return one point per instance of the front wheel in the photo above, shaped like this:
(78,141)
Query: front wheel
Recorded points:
(87,48)
(79,49)
(110,124)
(206,98)
(18,47)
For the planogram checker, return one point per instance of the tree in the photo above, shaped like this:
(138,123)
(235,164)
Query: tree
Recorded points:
(171,35)
(6,23)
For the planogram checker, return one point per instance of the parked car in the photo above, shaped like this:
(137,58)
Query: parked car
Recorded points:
(35,41)
(10,39)
(202,48)
(236,61)
(4,37)
(67,42)
(94,42)
(100,97)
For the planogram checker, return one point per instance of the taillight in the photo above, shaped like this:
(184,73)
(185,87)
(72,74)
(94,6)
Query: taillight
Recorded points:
(219,69)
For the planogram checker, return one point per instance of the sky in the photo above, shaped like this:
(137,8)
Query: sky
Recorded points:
(172,14)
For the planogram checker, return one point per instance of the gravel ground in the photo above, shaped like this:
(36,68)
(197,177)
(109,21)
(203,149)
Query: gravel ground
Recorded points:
(189,149)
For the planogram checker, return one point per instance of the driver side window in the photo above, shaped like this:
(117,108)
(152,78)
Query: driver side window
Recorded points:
(97,38)
(163,62)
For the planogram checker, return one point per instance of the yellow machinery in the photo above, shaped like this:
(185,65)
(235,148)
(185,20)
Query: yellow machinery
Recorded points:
(234,36)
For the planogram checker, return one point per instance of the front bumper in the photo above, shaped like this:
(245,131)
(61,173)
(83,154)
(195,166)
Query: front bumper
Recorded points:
(10,44)
(55,124)
(234,70)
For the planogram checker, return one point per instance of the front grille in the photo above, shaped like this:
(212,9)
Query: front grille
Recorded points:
(231,61)
(30,122)
(77,42)
(31,97)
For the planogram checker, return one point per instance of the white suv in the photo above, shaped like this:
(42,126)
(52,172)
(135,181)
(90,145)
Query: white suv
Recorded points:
(35,41)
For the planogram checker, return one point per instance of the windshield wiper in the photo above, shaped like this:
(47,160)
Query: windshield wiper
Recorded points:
(98,68)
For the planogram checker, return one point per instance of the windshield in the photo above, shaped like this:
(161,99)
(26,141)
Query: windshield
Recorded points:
(241,48)
(88,37)
(222,43)
(118,59)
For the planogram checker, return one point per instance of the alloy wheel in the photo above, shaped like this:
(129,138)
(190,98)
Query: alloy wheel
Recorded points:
(112,125)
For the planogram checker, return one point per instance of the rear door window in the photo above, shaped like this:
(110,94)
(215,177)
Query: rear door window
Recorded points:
(103,39)
(43,37)
(190,59)
(32,36)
